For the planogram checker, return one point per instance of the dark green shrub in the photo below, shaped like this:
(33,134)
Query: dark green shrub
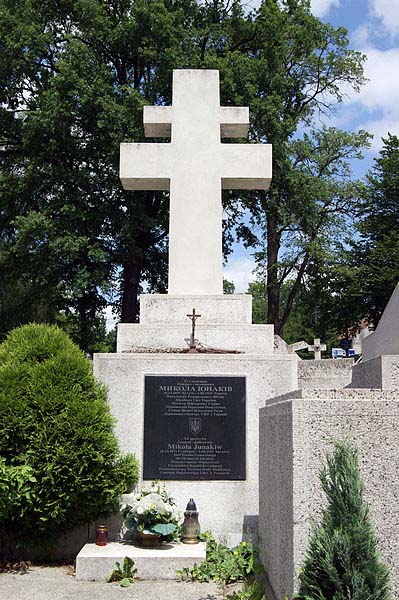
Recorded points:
(342,562)
(60,464)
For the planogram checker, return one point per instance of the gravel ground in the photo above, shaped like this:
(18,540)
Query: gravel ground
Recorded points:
(56,583)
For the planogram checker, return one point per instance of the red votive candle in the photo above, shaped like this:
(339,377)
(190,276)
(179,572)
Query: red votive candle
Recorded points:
(102,535)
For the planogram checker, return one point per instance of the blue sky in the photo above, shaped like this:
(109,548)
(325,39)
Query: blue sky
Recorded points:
(373,27)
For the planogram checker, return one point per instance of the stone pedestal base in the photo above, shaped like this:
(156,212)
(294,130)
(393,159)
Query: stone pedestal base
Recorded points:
(295,431)
(94,563)
(228,507)
(225,324)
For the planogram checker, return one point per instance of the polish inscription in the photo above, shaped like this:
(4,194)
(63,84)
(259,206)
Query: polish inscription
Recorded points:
(194,428)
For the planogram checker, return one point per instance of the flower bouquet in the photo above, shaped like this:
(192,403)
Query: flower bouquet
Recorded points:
(152,514)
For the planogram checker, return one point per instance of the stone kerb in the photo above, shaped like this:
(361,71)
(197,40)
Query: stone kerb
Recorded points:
(295,431)
(325,373)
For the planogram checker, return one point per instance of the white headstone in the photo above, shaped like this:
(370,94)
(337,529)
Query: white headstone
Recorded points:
(317,348)
(195,166)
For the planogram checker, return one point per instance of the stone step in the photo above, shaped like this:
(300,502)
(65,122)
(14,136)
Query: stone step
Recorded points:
(94,563)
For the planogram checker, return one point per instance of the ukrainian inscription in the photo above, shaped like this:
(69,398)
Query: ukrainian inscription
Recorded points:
(194,428)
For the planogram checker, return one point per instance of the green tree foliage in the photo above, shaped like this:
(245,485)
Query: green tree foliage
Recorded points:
(355,280)
(76,76)
(375,258)
(342,561)
(59,460)
(321,198)
(304,321)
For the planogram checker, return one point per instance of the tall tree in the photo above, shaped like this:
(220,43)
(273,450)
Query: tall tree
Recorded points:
(321,197)
(377,252)
(76,75)
(360,276)
(79,74)
(304,63)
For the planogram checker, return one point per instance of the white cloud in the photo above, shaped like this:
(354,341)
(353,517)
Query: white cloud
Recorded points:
(387,11)
(382,91)
(361,36)
(380,129)
(321,7)
(376,107)
(239,271)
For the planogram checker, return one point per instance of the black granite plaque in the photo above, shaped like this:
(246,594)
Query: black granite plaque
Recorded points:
(194,427)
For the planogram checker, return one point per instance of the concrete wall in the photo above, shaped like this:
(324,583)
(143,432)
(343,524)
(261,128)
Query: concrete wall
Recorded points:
(226,507)
(275,495)
(295,431)
(327,373)
(385,339)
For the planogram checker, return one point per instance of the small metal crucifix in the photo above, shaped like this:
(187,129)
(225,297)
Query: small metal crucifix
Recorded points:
(193,318)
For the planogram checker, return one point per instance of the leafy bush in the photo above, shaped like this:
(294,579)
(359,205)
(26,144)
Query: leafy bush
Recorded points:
(226,565)
(60,465)
(342,562)
(126,573)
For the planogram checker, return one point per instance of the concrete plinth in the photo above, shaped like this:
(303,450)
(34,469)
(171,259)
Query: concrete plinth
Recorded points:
(94,563)
(241,338)
(295,431)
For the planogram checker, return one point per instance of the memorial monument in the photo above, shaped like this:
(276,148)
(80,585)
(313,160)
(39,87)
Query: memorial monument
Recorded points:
(191,417)
(209,402)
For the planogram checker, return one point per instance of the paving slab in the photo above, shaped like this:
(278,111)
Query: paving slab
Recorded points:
(54,583)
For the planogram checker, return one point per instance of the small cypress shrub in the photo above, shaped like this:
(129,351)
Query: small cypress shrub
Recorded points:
(60,464)
(342,561)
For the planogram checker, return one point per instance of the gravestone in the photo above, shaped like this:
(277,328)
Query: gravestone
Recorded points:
(379,367)
(317,348)
(200,431)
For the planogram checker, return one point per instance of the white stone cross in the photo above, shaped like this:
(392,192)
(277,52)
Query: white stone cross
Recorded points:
(317,348)
(195,166)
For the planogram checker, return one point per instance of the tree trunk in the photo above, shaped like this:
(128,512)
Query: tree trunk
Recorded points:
(83,325)
(294,291)
(273,286)
(130,288)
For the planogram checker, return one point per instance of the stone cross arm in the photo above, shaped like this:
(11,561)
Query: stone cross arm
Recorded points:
(152,166)
(317,348)
(145,166)
(234,121)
